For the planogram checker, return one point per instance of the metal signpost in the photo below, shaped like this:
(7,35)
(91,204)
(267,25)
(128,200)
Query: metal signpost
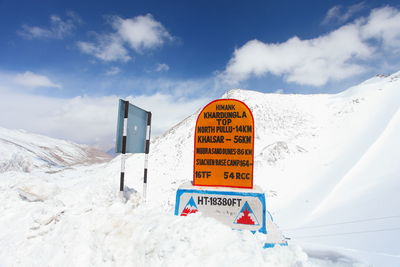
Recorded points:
(133,136)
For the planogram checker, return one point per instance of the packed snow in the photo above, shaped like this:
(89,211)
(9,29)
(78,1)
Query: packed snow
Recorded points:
(327,163)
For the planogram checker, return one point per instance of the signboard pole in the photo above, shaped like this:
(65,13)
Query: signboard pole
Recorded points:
(123,152)
(146,157)
(133,136)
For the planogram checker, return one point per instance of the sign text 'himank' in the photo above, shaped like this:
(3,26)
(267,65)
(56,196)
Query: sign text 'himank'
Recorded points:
(224,145)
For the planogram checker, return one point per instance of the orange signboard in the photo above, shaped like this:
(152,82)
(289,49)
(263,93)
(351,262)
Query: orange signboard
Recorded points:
(224,145)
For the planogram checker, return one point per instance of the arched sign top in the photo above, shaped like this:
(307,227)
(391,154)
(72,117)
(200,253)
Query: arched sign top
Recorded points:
(224,145)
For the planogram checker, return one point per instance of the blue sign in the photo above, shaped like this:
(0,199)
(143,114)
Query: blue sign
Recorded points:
(136,128)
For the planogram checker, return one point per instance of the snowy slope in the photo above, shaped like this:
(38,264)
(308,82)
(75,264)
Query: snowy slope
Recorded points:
(25,151)
(305,141)
(321,159)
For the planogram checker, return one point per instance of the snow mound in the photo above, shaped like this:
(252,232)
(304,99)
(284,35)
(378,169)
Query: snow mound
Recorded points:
(85,222)
(36,190)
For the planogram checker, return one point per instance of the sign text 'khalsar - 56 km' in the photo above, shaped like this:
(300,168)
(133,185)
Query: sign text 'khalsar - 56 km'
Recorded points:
(224,145)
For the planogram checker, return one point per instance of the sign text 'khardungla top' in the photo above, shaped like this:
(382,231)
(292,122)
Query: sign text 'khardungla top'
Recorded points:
(223,161)
(224,145)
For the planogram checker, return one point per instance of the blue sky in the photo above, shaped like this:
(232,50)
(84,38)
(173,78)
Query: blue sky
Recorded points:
(67,62)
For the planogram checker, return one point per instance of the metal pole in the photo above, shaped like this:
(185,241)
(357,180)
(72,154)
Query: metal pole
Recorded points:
(123,156)
(146,156)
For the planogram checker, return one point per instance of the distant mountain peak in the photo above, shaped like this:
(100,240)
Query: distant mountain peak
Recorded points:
(24,151)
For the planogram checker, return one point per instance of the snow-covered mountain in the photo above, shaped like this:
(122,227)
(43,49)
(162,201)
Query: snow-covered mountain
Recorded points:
(322,160)
(301,141)
(23,151)
(328,164)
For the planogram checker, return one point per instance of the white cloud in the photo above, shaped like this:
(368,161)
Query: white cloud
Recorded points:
(107,48)
(113,71)
(88,119)
(80,119)
(383,25)
(334,56)
(161,67)
(26,80)
(31,79)
(140,33)
(180,89)
(339,14)
(332,14)
(58,29)
(167,110)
